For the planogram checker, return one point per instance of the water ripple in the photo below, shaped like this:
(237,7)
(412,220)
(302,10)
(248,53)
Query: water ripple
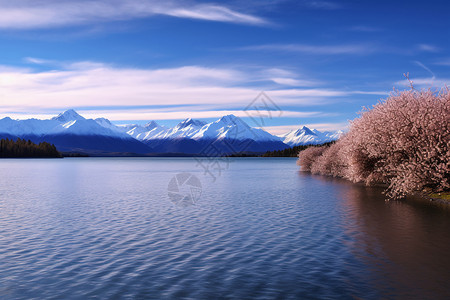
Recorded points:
(104,228)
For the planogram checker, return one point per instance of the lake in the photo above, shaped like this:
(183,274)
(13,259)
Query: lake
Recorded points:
(257,228)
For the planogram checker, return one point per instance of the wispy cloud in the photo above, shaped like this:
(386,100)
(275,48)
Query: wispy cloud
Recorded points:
(428,48)
(344,49)
(93,84)
(426,69)
(424,82)
(316,49)
(318,4)
(364,28)
(39,61)
(159,114)
(288,78)
(443,62)
(28,14)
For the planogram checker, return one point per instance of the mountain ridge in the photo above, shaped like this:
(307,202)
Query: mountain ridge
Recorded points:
(229,134)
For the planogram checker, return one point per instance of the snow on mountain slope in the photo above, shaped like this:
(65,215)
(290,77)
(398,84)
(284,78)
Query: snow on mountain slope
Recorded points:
(328,136)
(68,115)
(302,136)
(68,122)
(232,127)
(227,127)
(107,124)
(194,136)
(306,136)
(150,130)
(135,131)
(333,135)
(126,127)
(87,127)
(74,124)
(185,129)
(69,130)
(27,127)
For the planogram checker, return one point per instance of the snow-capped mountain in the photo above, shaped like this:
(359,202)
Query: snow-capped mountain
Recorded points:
(232,127)
(229,126)
(328,136)
(69,122)
(36,127)
(67,116)
(194,136)
(138,132)
(107,124)
(184,129)
(306,136)
(69,131)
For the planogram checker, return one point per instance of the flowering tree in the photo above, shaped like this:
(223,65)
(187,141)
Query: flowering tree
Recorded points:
(403,141)
(309,156)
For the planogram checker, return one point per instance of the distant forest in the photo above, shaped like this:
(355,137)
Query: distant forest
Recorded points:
(27,149)
(291,152)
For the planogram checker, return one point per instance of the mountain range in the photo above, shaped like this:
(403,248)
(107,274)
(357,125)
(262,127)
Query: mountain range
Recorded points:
(70,132)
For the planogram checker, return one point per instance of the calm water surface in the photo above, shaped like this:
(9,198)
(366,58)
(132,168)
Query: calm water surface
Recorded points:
(82,228)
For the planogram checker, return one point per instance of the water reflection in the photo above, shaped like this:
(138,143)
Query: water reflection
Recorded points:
(401,242)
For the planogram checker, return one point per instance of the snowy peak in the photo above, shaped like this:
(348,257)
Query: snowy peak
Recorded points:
(230,120)
(66,123)
(107,124)
(67,116)
(226,128)
(103,121)
(305,136)
(232,127)
(151,125)
(305,131)
(189,121)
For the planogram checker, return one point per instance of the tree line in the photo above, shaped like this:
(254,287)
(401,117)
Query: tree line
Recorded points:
(27,149)
(291,152)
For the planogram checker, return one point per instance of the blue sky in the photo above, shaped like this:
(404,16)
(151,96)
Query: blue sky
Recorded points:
(141,60)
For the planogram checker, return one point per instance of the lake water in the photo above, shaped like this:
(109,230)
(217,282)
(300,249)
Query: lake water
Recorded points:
(79,228)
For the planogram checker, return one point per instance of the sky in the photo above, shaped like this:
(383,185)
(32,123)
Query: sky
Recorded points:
(131,61)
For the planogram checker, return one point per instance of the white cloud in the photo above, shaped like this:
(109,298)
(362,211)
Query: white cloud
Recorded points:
(428,48)
(160,114)
(143,115)
(421,82)
(424,82)
(363,28)
(321,4)
(290,81)
(433,76)
(316,49)
(287,77)
(215,13)
(36,61)
(200,90)
(31,14)
(443,62)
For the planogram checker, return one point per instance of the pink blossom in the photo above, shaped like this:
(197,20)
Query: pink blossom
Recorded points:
(403,141)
